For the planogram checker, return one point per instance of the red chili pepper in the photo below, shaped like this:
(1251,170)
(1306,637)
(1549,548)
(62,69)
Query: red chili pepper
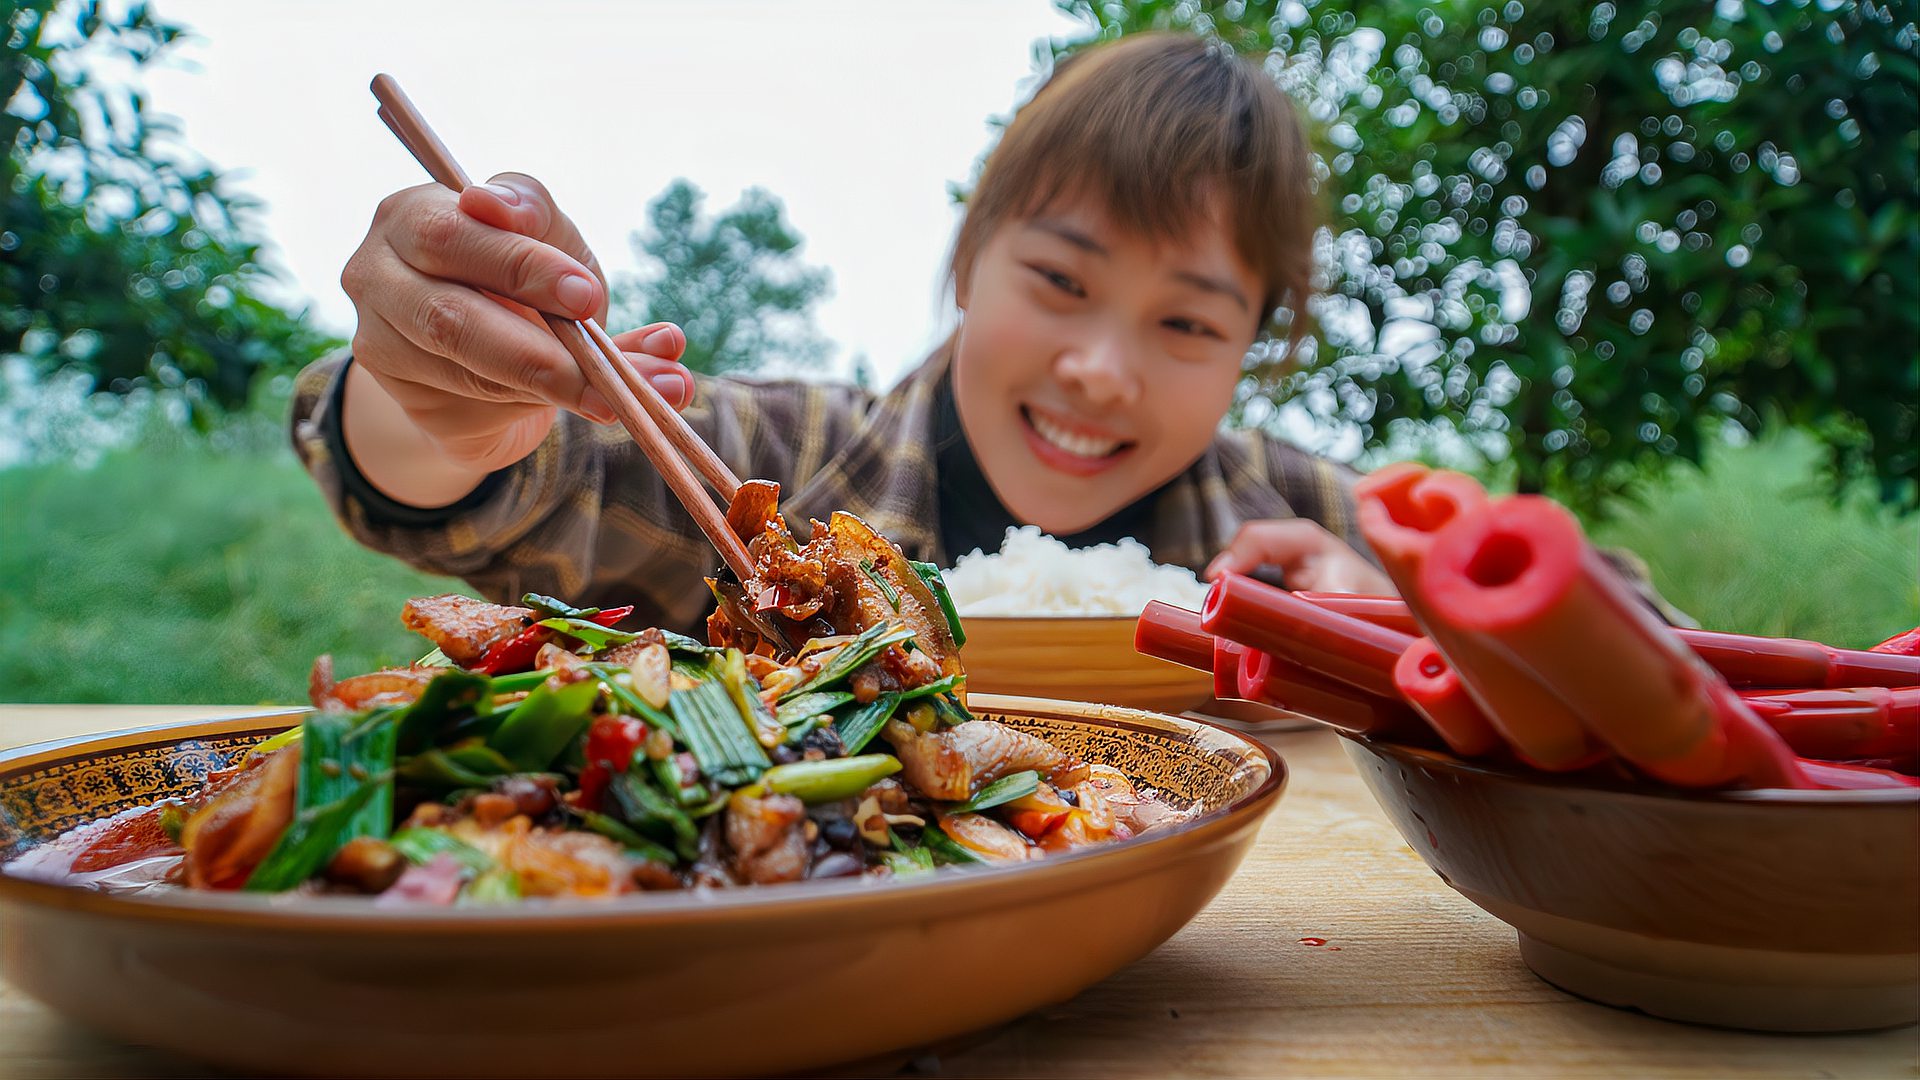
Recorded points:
(773,598)
(517,652)
(611,743)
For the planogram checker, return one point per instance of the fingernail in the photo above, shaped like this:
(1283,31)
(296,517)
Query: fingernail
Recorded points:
(595,407)
(576,294)
(502,192)
(671,387)
(661,341)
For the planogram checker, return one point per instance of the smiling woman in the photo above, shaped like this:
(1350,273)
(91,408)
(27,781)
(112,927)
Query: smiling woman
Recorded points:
(1130,238)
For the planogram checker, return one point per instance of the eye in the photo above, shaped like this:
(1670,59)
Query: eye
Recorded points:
(1059,281)
(1191,327)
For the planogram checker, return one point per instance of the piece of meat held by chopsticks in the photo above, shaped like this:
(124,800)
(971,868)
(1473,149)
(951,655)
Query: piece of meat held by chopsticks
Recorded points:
(1401,509)
(1519,575)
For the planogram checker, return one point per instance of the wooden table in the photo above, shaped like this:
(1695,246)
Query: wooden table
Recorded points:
(1334,952)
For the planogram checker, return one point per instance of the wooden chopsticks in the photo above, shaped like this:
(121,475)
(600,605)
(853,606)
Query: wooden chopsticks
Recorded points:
(655,425)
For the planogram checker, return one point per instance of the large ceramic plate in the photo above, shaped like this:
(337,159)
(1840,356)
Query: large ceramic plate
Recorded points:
(753,980)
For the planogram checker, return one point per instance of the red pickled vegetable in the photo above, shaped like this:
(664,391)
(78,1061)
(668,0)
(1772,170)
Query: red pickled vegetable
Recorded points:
(1859,723)
(1272,620)
(1273,681)
(1227,656)
(1401,509)
(1520,574)
(1388,611)
(1745,660)
(1173,634)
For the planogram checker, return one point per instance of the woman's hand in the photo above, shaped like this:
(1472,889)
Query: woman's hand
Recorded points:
(455,375)
(1309,557)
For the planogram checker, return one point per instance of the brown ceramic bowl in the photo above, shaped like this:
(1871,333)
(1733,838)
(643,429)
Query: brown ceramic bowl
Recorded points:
(1076,658)
(754,980)
(1769,910)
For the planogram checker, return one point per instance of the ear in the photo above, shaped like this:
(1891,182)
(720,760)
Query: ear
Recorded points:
(962,288)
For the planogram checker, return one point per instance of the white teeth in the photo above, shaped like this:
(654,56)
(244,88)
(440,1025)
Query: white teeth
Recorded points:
(1072,443)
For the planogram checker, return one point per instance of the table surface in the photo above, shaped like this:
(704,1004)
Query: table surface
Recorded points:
(1335,951)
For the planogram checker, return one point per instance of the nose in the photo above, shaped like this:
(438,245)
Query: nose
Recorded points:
(1101,371)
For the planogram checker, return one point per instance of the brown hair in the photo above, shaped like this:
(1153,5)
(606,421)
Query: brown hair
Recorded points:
(1150,126)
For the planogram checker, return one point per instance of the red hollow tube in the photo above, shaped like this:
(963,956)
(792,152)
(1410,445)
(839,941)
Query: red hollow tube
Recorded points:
(1272,681)
(1521,576)
(1745,660)
(1388,611)
(1332,645)
(1867,722)
(1401,509)
(1904,643)
(1173,634)
(1227,656)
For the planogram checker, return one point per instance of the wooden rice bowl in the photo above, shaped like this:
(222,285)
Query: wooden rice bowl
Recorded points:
(756,980)
(1076,658)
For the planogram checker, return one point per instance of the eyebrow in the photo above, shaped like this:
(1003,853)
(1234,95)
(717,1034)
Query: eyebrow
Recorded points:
(1199,281)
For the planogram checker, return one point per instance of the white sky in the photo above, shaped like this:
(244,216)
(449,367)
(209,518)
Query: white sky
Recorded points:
(855,113)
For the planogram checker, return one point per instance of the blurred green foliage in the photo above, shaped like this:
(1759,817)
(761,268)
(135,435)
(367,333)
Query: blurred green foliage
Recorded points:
(1581,236)
(146,580)
(734,282)
(122,256)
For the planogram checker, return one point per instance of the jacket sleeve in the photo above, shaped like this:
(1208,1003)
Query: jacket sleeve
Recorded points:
(584,517)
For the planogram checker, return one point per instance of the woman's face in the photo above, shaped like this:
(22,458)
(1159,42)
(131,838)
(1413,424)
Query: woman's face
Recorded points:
(1093,364)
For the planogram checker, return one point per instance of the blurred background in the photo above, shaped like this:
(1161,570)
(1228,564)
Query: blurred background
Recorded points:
(1660,261)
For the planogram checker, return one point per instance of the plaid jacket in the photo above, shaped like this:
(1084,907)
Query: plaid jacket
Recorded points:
(585,517)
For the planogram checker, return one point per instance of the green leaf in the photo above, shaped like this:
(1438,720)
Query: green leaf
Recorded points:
(448,695)
(617,831)
(945,850)
(807,706)
(595,635)
(852,656)
(1004,790)
(857,728)
(830,779)
(556,609)
(420,845)
(937,584)
(538,729)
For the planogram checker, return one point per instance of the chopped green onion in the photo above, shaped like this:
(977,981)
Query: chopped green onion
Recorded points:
(617,831)
(716,732)
(907,863)
(950,709)
(668,774)
(945,849)
(449,694)
(831,779)
(436,658)
(857,728)
(595,635)
(937,585)
(1004,790)
(286,738)
(518,682)
(807,706)
(420,845)
(467,765)
(497,886)
(732,669)
(540,728)
(345,791)
(886,587)
(625,696)
(644,806)
(852,655)
(683,643)
(559,609)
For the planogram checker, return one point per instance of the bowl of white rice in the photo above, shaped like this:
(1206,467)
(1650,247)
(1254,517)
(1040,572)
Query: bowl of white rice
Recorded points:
(1046,620)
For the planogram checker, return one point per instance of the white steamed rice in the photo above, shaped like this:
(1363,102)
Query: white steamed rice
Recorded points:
(1034,574)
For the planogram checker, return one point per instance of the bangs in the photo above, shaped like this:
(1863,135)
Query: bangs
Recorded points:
(1156,130)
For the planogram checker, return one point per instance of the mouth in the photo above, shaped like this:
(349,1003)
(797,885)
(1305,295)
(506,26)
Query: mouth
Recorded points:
(1070,448)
